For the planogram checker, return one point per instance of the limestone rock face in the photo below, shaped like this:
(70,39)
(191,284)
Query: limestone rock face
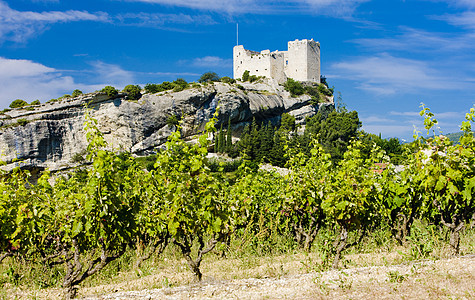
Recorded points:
(52,135)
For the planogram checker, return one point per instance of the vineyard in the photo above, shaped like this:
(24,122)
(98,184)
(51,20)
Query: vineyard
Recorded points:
(80,224)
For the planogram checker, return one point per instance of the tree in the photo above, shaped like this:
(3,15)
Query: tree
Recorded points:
(18,103)
(335,131)
(133,92)
(229,138)
(287,122)
(110,91)
(208,76)
(76,93)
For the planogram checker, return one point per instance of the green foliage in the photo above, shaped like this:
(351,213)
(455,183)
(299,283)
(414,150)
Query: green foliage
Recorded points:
(18,103)
(334,131)
(227,79)
(85,221)
(76,93)
(294,87)
(133,91)
(287,122)
(245,75)
(179,85)
(152,88)
(208,76)
(173,121)
(22,122)
(35,102)
(110,91)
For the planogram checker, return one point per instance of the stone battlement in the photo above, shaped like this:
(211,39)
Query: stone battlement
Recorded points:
(300,62)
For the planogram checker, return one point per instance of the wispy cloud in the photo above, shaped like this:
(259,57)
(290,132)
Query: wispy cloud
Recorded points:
(18,26)
(386,74)
(323,7)
(159,19)
(416,40)
(465,19)
(212,61)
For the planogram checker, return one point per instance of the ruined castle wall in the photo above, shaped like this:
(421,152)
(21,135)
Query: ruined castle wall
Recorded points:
(257,63)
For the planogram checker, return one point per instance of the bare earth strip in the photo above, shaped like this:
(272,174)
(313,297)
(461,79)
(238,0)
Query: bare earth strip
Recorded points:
(443,279)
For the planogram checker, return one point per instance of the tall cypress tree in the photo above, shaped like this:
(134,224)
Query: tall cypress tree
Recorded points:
(229,138)
(222,140)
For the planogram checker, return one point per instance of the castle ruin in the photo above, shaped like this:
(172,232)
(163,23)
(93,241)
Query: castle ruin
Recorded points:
(300,62)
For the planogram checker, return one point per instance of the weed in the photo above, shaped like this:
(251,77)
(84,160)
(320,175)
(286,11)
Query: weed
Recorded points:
(396,277)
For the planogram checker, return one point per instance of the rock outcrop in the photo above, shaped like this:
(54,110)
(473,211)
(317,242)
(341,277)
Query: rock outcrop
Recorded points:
(52,135)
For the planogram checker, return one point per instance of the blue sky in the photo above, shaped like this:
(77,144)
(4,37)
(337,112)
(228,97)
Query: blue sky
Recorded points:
(384,57)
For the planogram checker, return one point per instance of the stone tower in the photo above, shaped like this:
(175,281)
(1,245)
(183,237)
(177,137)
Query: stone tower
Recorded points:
(303,60)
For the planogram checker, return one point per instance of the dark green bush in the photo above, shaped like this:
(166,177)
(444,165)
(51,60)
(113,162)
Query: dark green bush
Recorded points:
(18,103)
(22,122)
(76,93)
(227,79)
(179,85)
(133,92)
(208,76)
(110,91)
(166,85)
(294,87)
(36,102)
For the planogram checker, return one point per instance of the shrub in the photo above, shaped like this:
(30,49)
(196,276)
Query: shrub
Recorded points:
(22,122)
(172,121)
(245,75)
(166,85)
(208,76)
(294,87)
(76,93)
(110,91)
(133,92)
(324,90)
(179,85)
(18,103)
(153,88)
(36,102)
(227,79)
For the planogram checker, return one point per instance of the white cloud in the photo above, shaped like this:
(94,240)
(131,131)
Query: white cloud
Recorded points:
(18,26)
(28,80)
(386,74)
(111,74)
(326,7)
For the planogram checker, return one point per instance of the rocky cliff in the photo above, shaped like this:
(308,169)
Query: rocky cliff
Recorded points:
(51,135)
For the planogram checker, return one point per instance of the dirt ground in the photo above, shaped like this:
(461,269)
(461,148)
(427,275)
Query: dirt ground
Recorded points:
(443,279)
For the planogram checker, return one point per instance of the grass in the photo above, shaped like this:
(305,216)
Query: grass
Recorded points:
(376,267)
